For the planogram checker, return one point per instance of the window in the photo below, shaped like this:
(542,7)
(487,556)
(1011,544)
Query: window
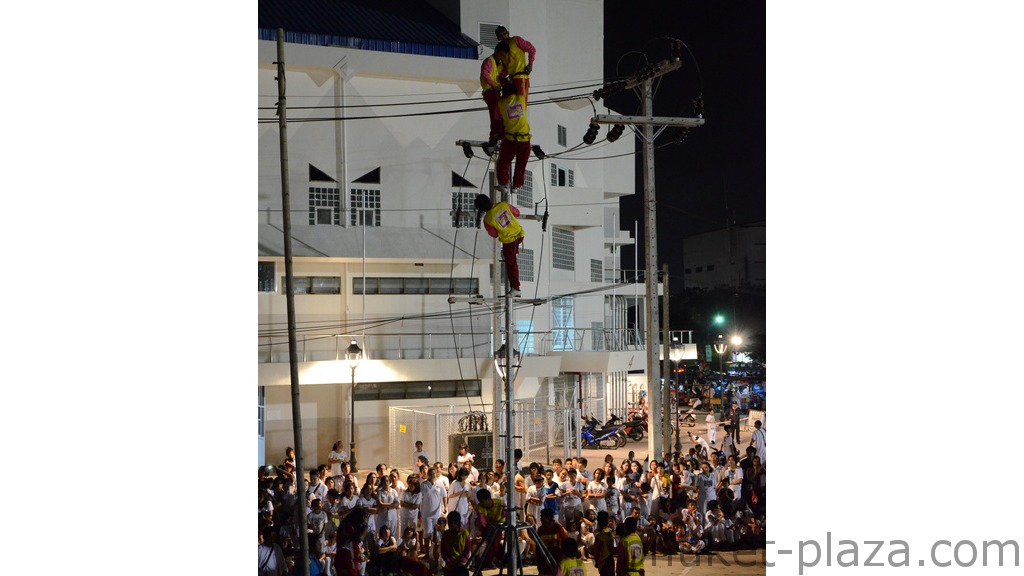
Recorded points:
(407,286)
(561,135)
(324,206)
(487,36)
(315,285)
(687,271)
(596,270)
(467,218)
(562,177)
(524,197)
(422,389)
(364,207)
(261,407)
(561,322)
(524,331)
(710,267)
(525,261)
(597,335)
(266,277)
(700,268)
(563,249)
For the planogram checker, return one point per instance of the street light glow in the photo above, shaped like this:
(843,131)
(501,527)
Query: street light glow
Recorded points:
(736,340)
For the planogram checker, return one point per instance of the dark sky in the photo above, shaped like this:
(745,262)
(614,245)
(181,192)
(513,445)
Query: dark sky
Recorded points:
(718,172)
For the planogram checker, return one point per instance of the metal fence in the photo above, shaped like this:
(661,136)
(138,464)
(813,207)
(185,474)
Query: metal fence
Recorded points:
(540,430)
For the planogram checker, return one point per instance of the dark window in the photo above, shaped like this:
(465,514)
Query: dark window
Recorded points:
(700,268)
(266,277)
(412,390)
(711,267)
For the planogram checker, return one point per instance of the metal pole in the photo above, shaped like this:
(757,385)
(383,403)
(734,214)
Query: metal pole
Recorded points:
(511,536)
(289,284)
(667,390)
(654,444)
(352,421)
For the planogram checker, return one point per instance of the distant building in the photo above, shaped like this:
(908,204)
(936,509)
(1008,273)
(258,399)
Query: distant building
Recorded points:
(730,258)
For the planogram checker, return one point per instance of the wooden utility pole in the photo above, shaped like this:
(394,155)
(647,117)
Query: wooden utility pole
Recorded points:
(289,284)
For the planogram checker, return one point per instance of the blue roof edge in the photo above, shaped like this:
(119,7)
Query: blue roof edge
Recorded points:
(312,39)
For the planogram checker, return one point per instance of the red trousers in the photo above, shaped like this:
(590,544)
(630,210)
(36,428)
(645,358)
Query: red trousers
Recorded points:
(521,152)
(522,87)
(491,98)
(510,252)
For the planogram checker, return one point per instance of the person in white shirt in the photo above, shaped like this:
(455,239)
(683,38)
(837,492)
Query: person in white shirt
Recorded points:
(705,487)
(703,450)
(458,494)
(712,427)
(571,507)
(534,495)
(432,500)
(596,492)
(316,490)
(757,441)
(335,459)
(733,479)
(419,452)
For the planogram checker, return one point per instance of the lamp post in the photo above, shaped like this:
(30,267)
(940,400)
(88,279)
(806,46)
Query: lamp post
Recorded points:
(675,354)
(721,348)
(353,354)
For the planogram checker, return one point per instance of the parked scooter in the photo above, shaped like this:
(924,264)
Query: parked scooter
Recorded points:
(689,418)
(595,435)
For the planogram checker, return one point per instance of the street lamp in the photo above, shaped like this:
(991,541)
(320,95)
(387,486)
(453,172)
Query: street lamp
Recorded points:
(353,354)
(721,348)
(675,354)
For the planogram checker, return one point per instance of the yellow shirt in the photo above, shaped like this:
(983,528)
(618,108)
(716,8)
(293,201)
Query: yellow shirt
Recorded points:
(573,567)
(513,114)
(501,218)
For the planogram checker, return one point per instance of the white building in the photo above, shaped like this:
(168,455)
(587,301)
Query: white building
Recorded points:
(376,253)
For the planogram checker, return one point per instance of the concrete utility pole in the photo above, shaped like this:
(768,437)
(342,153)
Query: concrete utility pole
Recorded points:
(289,284)
(656,442)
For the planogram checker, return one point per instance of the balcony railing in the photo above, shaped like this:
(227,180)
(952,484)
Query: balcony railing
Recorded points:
(416,346)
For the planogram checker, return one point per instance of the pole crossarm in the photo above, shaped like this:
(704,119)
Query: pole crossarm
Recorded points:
(648,120)
(493,301)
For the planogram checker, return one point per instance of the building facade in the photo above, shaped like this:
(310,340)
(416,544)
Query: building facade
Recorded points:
(384,234)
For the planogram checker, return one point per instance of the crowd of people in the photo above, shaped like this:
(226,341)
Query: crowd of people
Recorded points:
(435,518)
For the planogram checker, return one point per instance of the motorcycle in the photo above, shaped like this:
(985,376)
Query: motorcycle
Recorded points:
(595,435)
(633,429)
(689,418)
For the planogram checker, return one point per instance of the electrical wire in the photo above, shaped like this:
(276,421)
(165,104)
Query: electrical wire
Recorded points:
(418,103)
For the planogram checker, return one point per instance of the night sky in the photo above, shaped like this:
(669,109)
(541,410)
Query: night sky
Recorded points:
(718,172)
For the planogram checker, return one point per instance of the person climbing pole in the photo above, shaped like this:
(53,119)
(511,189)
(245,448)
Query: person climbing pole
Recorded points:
(517,138)
(492,74)
(520,60)
(501,223)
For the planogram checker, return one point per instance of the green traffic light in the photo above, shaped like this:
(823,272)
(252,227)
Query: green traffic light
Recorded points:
(719,319)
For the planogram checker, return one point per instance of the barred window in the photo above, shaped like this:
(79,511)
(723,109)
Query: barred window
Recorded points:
(524,197)
(525,261)
(563,249)
(596,270)
(464,200)
(407,286)
(561,323)
(324,206)
(562,138)
(364,207)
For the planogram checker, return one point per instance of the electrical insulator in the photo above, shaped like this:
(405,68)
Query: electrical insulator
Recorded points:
(609,89)
(591,134)
(615,132)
